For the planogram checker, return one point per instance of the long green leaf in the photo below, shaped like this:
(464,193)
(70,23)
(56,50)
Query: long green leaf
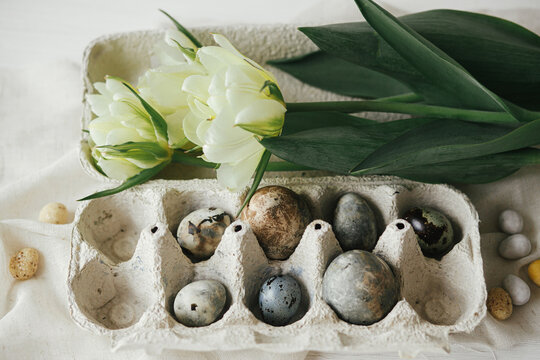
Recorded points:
(259,172)
(296,121)
(140,178)
(478,170)
(158,122)
(138,150)
(183,29)
(336,148)
(448,140)
(334,74)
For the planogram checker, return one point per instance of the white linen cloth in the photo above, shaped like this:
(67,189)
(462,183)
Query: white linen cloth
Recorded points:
(40,108)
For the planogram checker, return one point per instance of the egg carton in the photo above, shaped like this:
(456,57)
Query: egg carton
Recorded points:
(126,268)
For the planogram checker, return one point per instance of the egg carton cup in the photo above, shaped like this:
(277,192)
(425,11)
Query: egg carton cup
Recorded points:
(128,55)
(126,268)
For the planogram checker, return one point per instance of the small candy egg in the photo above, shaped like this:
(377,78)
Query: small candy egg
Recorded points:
(433,229)
(201,230)
(499,303)
(360,287)
(24,264)
(54,213)
(354,223)
(200,303)
(510,221)
(278,217)
(279,299)
(534,272)
(515,247)
(518,289)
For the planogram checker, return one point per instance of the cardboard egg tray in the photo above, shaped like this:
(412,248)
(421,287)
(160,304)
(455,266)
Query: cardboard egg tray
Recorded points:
(126,268)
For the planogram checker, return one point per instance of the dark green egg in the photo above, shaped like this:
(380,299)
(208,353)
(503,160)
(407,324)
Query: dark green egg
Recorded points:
(434,231)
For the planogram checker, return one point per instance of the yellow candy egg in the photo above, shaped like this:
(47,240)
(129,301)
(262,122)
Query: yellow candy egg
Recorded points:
(534,272)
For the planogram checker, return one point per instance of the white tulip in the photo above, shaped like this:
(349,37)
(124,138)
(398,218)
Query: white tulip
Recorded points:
(123,139)
(233,105)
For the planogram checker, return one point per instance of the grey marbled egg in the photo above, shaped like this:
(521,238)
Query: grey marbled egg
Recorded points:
(433,229)
(200,303)
(515,247)
(279,299)
(201,230)
(518,289)
(354,223)
(360,287)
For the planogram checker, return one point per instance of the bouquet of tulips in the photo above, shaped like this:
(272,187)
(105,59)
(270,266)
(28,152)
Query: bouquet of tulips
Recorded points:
(470,83)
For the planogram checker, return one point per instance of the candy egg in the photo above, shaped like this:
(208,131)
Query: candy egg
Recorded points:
(534,272)
(278,217)
(24,264)
(360,287)
(433,229)
(201,230)
(515,247)
(279,299)
(200,303)
(54,213)
(510,221)
(354,223)
(518,289)
(499,303)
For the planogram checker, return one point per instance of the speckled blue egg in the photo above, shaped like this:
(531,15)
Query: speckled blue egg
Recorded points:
(360,287)
(279,299)
(354,223)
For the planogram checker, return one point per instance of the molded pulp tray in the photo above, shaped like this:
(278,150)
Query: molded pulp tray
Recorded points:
(124,256)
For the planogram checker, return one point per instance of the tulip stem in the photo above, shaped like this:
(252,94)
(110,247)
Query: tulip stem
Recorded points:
(405,108)
(404,98)
(181,158)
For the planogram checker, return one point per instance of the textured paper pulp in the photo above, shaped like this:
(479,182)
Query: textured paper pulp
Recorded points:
(437,297)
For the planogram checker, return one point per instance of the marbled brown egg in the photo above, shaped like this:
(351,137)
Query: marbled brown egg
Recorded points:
(201,230)
(433,229)
(354,223)
(360,287)
(278,216)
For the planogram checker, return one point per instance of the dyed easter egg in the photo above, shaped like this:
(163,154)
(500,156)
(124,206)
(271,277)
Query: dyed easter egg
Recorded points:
(354,223)
(433,229)
(279,299)
(200,303)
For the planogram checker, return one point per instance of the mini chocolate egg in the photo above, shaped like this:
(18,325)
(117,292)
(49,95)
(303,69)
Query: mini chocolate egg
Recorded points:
(278,217)
(279,299)
(360,287)
(201,230)
(200,303)
(433,229)
(354,223)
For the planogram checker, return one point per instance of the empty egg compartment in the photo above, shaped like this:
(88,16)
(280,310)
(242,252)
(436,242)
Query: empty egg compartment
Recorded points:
(116,296)
(113,225)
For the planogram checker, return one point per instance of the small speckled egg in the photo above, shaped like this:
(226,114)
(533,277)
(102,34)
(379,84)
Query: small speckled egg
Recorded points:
(534,272)
(278,217)
(24,264)
(54,213)
(201,230)
(510,221)
(499,303)
(354,223)
(518,289)
(279,299)
(360,287)
(200,303)
(515,247)
(433,229)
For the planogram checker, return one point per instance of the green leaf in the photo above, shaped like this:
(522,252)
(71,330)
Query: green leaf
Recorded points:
(301,121)
(159,124)
(142,151)
(440,141)
(478,170)
(339,76)
(140,178)
(259,172)
(183,29)
(190,53)
(336,148)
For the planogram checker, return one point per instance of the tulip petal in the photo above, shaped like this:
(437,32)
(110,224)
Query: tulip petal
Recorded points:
(263,117)
(190,125)
(175,130)
(118,168)
(236,177)
(197,85)
(232,152)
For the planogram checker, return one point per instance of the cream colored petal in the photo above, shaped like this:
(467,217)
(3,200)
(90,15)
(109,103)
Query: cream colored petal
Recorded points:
(202,130)
(175,129)
(237,177)
(200,109)
(122,135)
(180,38)
(118,168)
(163,89)
(190,125)
(100,127)
(99,104)
(197,85)
(223,131)
(215,58)
(262,117)
(231,152)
